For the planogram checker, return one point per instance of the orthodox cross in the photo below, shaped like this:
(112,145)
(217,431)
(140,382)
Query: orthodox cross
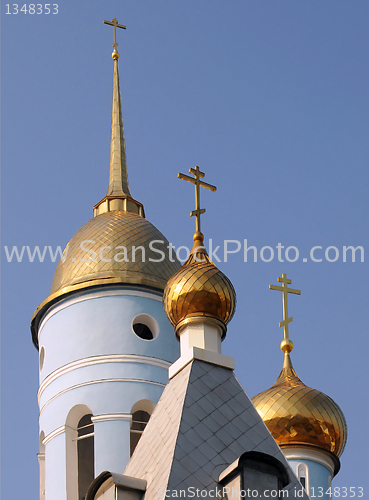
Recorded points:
(196,180)
(114,23)
(284,288)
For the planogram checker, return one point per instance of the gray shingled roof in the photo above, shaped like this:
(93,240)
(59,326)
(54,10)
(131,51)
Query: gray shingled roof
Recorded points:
(203,422)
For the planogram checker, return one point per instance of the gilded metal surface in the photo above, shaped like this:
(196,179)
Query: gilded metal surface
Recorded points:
(199,289)
(297,414)
(118,177)
(118,196)
(286,344)
(196,180)
(114,229)
(114,23)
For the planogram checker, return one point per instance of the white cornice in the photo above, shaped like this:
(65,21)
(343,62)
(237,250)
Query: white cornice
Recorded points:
(306,453)
(95,360)
(96,418)
(102,381)
(212,357)
(112,416)
(53,434)
(103,292)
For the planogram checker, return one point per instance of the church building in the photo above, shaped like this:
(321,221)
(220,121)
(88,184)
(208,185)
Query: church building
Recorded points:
(136,399)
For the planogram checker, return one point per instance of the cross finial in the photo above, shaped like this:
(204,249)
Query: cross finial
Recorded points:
(114,23)
(196,180)
(286,344)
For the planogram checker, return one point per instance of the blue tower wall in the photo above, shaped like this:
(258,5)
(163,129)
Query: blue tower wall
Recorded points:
(95,363)
(318,478)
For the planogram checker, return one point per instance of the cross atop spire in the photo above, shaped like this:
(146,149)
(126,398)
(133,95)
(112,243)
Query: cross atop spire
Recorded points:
(114,23)
(286,344)
(196,180)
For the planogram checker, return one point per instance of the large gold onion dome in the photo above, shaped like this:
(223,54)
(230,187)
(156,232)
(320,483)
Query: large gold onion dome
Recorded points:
(105,235)
(296,414)
(199,290)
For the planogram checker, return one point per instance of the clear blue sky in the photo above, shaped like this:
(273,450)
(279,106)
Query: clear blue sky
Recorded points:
(270,99)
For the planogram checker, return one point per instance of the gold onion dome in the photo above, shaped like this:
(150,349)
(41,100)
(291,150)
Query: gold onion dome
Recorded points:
(296,414)
(115,229)
(199,290)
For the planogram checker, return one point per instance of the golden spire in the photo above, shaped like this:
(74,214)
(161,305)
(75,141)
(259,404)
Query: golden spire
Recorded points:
(118,196)
(286,344)
(118,177)
(198,236)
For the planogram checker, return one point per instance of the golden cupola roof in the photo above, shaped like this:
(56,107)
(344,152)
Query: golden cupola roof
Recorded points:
(296,414)
(117,246)
(199,290)
(108,249)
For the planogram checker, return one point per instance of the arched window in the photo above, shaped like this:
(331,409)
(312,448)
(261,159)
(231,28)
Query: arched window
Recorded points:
(302,475)
(79,435)
(139,421)
(141,413)
(85,452)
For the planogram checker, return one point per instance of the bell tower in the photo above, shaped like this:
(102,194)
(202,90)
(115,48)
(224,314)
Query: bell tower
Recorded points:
(104,342)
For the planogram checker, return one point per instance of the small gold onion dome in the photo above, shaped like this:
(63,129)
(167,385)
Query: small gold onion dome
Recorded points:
(199,290)
(296,414)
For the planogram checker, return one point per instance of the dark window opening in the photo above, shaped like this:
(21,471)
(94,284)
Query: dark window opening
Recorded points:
(143,331)
(139,422)
(303,482)
(85,450)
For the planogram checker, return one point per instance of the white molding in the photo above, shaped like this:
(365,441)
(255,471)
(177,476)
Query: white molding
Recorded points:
(101,381)
(104,292)
(95,360)
(212,357)
(112,416)
(54,434)
(229,469)
(302,453)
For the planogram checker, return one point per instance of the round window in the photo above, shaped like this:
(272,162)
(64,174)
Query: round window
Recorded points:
(42,357)
(145,327)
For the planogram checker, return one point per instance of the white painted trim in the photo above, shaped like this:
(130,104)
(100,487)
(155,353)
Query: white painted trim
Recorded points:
(102,381)
(103,292)
(112,416)
(85,436)
(212,357)
(54,434)
(229,469)
(41,463)
(95,360)
(302,453)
